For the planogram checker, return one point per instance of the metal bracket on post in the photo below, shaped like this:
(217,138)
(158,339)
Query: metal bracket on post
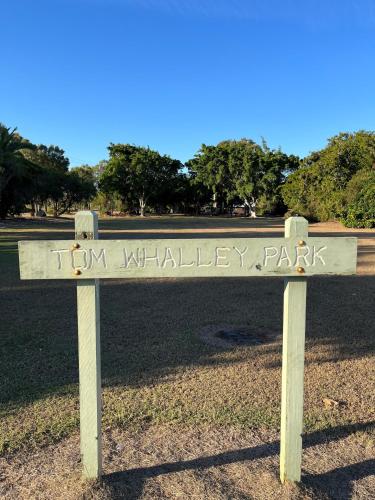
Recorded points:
(294,324)
(88,307)
(85,235)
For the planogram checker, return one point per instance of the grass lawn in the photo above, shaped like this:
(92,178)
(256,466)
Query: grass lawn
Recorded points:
(183,418)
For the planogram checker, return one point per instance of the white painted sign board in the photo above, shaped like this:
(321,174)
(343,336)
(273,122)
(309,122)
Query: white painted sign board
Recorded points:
(86,259)
(181,258)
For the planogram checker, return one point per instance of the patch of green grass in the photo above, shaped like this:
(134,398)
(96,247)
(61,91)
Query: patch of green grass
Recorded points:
(38,424)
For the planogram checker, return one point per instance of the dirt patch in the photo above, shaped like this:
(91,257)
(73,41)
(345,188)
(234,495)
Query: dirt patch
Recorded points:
(237,335)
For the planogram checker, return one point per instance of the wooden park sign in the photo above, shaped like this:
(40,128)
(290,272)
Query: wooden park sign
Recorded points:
(86,259)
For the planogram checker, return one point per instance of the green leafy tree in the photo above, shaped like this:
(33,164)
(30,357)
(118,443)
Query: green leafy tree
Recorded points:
(211,168)
(360,199)
(244,170)
(138,175)
(75,189)
(191,194)
(106,199)
(115,177)
(245,161)
(51,182)
(296,193)
(86,185)
(318,189)
(277,166)
(56,185)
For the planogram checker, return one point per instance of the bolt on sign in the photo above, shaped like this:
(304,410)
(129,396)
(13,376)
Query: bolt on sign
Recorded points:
(87,259)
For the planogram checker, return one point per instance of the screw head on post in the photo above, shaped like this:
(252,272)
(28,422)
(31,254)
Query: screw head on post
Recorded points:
(301,243)
(77,272)
(300,270)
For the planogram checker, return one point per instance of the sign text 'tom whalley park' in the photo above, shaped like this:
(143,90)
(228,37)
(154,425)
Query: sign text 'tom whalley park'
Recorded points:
(186,258)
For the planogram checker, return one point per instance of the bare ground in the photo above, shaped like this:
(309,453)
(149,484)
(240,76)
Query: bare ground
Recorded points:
(217,463)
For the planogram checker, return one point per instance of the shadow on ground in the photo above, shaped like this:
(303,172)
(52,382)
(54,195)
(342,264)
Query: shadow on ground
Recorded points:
(150,328)
(335,484)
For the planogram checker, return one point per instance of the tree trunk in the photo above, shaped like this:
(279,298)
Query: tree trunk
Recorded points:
(251,203)
(142,205)
(214,204)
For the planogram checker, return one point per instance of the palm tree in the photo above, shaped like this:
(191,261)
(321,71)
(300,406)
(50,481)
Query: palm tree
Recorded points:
(16,172)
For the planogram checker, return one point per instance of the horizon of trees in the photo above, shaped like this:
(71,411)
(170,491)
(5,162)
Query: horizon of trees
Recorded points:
(336,182)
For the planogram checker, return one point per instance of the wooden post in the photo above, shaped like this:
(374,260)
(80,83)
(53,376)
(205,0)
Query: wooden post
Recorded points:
(86,227)
(293,363)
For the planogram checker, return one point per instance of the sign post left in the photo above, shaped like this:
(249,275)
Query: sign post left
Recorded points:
(88,310)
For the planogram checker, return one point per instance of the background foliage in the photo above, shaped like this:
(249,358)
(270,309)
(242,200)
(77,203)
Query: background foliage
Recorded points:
(331,182)
(337,182)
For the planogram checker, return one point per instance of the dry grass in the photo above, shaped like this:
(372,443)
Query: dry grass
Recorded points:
(170,462)
(169,397)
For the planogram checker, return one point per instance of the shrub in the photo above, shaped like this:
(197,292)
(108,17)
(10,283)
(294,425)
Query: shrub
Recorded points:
(360,211)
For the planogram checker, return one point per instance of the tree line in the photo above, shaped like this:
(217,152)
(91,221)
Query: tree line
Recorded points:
(337,182)
(39,176)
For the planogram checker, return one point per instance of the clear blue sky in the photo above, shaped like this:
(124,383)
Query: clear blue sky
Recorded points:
(172,74)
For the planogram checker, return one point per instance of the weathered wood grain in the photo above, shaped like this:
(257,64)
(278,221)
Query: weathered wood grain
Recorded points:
(173,258)
(294,322)
(88,310)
